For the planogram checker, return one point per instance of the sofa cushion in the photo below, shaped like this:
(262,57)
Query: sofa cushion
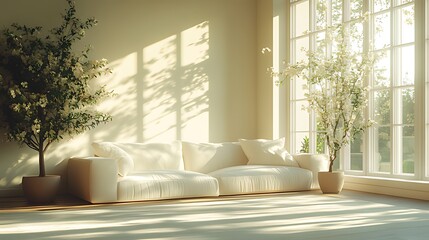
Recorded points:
(154,156)
(166,184)
(267,152)
(261,179)
(108,150)
(209,157)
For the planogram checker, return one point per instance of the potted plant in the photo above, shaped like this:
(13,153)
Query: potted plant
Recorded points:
(45,91)
(335,91)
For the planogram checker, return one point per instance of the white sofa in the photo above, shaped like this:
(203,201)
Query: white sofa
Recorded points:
(123,172)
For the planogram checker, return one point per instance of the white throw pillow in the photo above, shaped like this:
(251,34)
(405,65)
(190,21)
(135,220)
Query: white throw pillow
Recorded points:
(209,157)
(154,156)
(109,150)
(267,152)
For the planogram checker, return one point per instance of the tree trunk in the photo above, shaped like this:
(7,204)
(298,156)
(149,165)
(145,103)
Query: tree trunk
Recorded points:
(41,159)
(332,157)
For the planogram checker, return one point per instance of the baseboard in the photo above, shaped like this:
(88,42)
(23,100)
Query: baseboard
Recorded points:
(392,187)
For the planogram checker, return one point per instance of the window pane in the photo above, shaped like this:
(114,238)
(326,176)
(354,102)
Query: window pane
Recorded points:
(356,8)
(299,88)
(320,143)
(382,30)
(407,73)
(356,37)
(302,142)
(382,70)
(300,44)
(406,1)
(302,118)
(407,24)
(321,14)
(382,107)
(321,43)
(382,150)
(408,101)
(408,149)
(356,153)
(337,11)
(380,5)
(302,18)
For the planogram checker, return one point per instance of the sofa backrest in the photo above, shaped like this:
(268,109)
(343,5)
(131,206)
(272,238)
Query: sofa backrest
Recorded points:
(154,156)
(209,157)
(146,156)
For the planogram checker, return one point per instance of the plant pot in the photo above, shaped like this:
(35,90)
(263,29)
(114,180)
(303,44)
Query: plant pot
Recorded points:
(41,190)
(331,182)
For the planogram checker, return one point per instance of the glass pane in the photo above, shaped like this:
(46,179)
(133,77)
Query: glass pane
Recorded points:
(302,118)
(356,8)
(406,1)
(302,18)
(408,101)
(337,11)
(320,142)
(408,149)
(299,87)
(382,70)
(407,73)
(380,5)
(321,14)
(300,45)
(382,30)
(321,43)
(382,150)
(382,107)
(356,153)
(356,37)
(302,142)
(407,24)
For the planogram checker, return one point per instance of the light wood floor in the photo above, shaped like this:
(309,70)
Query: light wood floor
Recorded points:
(302,215)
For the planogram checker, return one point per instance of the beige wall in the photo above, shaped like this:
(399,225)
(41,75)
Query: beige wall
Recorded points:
(183,69)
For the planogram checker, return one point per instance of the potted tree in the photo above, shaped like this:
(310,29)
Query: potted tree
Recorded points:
(45,91)
(335,91)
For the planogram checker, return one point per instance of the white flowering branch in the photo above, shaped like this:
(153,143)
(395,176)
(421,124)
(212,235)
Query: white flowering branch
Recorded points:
(335,89)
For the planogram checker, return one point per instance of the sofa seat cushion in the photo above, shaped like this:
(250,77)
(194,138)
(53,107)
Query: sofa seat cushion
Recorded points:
(166,184)
(261,179)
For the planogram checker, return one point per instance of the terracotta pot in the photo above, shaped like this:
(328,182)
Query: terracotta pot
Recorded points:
(41,190)
(331,182)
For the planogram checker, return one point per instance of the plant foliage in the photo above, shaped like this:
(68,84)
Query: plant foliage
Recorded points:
(45,87)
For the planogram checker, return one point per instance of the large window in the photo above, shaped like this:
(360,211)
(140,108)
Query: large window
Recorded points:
(391,147)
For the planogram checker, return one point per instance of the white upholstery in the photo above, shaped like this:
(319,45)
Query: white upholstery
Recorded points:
(93,179)
(209,157)
(216,169)
(315,163)
(267,152)
(166,184)
(261,179)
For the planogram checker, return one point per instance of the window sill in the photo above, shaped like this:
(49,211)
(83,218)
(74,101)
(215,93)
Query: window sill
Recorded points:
(388,186)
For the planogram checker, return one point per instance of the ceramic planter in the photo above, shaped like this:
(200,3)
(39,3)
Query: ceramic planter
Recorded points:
(331,182)
(41,190)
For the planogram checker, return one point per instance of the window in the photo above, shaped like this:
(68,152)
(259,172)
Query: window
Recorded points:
(391,147)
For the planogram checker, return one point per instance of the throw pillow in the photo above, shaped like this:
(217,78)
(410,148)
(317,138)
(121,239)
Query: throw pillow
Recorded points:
(109,150)
(267,152)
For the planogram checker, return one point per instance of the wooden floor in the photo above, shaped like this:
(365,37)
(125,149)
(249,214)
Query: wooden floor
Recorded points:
(20,204)
(300,215)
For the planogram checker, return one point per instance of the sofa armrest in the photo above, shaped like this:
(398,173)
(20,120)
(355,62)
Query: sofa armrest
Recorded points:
(93,179)
(313,162)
